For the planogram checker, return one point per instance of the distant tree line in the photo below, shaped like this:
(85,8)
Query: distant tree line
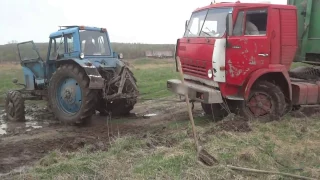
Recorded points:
(9,52)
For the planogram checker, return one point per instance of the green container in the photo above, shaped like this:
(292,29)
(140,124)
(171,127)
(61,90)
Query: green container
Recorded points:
(308,30)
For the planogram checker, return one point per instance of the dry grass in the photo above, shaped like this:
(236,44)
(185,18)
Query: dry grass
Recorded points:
(278,146)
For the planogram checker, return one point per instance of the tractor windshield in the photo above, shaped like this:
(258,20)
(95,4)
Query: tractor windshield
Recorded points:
(208,23)
(94,43)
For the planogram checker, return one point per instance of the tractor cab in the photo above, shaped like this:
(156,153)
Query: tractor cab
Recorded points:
(83,44)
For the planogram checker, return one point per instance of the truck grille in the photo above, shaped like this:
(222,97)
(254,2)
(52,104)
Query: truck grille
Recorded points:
(197,68)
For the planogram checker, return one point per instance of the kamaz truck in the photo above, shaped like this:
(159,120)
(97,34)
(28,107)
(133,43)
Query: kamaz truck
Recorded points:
(241,55)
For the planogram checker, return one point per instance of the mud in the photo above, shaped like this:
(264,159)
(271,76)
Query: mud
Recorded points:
(24,143)
(305,112)
(235,126)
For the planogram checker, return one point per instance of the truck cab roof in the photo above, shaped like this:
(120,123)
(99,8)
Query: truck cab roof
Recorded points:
(244,5)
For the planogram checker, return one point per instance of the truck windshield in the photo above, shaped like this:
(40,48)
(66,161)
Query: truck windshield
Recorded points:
(94,43)
(208,23)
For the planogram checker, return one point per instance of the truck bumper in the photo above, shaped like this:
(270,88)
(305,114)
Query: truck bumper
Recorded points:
(196,92)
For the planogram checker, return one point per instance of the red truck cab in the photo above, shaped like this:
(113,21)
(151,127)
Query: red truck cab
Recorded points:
(239,54)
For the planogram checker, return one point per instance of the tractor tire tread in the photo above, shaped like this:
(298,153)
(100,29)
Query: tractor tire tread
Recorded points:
(18,103)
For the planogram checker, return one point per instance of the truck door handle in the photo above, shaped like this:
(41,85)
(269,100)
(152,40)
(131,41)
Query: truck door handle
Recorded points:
(263,55)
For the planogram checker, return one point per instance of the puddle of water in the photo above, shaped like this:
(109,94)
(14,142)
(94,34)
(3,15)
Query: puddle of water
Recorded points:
(32,124)
(3,126)
(149,115)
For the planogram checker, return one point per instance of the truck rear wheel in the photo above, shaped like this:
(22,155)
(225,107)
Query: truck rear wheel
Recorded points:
(70,98)
(214,110)
(266,101)
(14,106)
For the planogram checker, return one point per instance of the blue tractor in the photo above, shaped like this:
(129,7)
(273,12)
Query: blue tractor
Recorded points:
(81,75)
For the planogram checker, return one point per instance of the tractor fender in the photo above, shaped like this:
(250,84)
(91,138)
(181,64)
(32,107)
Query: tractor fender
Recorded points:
(263,73)
(96,80)
(28,78)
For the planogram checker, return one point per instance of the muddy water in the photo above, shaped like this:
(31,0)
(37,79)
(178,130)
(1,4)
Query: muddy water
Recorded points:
(36,118)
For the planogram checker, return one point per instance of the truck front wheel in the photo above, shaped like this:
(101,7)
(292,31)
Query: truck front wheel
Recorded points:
(266,101)
(214,110)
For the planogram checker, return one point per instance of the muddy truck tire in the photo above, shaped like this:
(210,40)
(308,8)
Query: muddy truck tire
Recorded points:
(70,98)
(266,102)
(14,106)
(214,110)
(306,73)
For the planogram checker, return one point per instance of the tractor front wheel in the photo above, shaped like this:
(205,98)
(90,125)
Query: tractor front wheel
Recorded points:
(14,106)
(70,98)
(266,102)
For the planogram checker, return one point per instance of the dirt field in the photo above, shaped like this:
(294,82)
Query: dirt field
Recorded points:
(155,141)
(22,144)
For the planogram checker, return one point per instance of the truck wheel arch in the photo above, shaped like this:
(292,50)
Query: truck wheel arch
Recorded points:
(278,75)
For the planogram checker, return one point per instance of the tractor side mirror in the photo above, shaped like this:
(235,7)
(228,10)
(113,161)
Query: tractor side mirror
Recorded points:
(229,25)
(186,25)
(120,56)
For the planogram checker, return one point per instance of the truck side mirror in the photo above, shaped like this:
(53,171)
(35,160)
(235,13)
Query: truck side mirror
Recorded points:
(229,25)
(186,25)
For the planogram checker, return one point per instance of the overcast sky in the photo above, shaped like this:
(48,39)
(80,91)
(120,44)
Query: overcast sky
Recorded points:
(144,21)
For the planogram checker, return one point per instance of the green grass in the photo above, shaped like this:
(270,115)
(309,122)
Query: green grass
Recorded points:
(152,83)
(276,146)
(7,73)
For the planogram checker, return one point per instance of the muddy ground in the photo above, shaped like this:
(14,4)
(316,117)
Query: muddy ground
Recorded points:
(23,143)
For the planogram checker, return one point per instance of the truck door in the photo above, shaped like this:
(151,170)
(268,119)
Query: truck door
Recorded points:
(32,64)
(248,45)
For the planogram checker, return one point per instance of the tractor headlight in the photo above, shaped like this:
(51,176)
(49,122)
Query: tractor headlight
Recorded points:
(81,55)
(210,74)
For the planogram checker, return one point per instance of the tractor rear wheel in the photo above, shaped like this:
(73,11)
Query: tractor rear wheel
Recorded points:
(70,98)
(266,102)
(14,106)
(214,110)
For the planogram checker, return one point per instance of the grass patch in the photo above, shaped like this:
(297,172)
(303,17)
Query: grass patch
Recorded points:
(269,146)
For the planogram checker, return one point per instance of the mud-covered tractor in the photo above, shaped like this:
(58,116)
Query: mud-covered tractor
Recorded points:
(81,75)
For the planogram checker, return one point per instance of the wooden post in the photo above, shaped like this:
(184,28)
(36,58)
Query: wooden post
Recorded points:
(188,105)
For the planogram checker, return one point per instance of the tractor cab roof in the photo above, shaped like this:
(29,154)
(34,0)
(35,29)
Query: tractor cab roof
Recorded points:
(70,29)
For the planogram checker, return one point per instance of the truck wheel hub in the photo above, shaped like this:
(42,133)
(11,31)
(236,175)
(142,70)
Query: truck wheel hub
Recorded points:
(260,104)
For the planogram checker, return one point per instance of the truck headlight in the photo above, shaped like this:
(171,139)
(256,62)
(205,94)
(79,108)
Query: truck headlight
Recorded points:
(210,74)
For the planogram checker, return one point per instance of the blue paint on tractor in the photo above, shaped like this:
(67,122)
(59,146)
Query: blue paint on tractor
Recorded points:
(69,95)
(28,78)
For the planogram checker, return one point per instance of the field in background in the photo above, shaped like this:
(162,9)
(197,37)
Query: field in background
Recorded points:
(8,52)
(166,151)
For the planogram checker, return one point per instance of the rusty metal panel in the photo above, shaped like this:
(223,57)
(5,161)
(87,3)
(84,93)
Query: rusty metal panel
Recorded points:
(304,93)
